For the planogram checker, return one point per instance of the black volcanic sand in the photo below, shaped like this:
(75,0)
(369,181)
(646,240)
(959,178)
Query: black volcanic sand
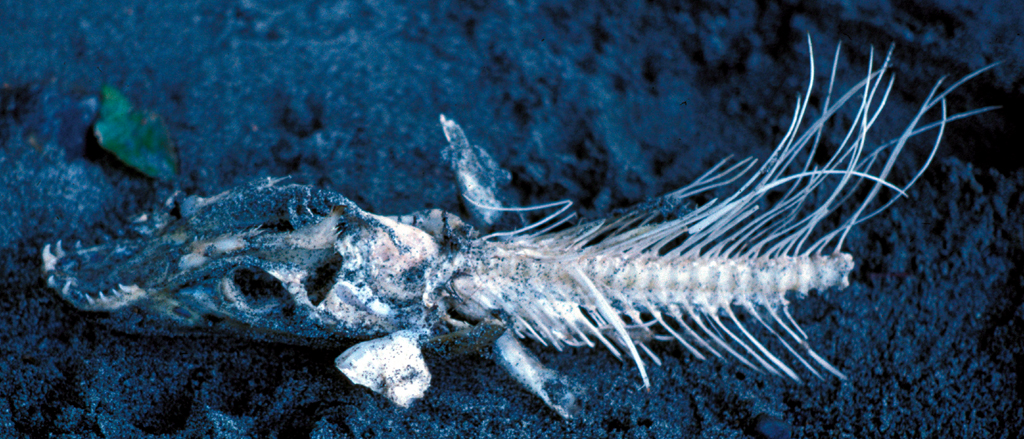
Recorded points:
(604,105)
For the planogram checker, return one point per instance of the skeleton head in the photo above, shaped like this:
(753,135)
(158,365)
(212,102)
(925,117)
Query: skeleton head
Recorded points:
(279,259)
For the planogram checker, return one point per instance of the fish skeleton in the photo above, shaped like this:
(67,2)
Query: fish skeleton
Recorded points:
(297,264)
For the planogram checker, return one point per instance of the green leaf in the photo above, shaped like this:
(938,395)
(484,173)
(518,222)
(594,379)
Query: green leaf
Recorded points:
(138,138)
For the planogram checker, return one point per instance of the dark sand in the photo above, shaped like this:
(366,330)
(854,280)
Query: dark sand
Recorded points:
(604,105)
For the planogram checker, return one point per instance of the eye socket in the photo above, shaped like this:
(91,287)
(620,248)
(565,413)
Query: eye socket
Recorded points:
(261,290)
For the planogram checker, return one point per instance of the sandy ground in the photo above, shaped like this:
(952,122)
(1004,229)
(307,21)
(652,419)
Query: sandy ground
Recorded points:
(605,105)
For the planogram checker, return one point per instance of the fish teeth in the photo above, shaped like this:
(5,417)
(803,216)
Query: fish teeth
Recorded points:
(50,258)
